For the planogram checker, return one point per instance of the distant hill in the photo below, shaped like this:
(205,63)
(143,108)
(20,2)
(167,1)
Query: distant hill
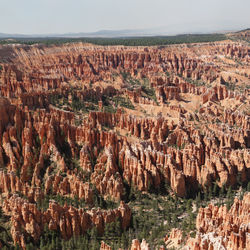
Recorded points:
(162,31)
(4,35)
(101,33)
(124,37)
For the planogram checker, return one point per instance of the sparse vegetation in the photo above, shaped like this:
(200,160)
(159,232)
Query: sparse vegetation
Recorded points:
(117,141)
(123,102)
(154,215)
(195,82)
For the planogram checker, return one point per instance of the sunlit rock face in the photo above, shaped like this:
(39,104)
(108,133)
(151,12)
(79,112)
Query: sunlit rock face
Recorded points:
(219,228)
(79,121)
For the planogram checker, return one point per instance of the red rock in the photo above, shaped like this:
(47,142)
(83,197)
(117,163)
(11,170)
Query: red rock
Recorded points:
(179,133)
(69,220)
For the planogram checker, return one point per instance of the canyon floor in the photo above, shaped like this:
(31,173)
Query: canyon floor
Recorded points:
(108,147)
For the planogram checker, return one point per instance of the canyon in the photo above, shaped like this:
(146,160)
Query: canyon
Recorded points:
(87,125)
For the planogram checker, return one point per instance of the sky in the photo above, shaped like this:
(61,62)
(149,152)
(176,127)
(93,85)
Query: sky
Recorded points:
(180,16)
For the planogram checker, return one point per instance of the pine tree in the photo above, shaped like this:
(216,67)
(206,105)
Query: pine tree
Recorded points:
(248,187)
(41,243)
(229,193)
(198,200)
(93,233)
(123,241)
(189,205)
(29,247)
(135,223)
(215,189)
(17,247)
(118,227)
(206,195)
(210,193)
(174,219)
(222,191)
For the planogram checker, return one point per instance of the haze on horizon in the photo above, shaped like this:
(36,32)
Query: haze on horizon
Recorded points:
(167,16)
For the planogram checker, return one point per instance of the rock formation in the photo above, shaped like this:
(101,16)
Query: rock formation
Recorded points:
(217,228)
(89,124)
(69,221)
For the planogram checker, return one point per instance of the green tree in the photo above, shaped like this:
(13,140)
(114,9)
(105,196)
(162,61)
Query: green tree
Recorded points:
(248,187)
(198,200)
(215,189)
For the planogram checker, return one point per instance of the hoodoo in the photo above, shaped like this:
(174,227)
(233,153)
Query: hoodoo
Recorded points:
(125,147)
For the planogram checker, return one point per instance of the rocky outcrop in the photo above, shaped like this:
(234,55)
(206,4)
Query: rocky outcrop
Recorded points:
(230,228)
(80,121)
(175,154)
(27,71)
(217,228)
(105,246)
(175,239)
(136,245)
(69,221)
